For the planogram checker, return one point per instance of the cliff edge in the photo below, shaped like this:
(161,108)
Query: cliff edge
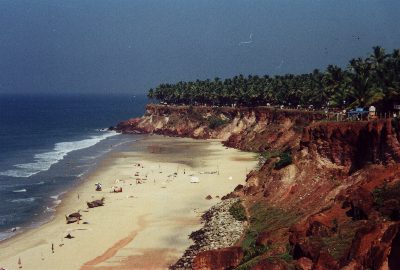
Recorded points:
(326,195)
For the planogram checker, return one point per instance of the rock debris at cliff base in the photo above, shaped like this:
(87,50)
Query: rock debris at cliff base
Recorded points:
(220,230)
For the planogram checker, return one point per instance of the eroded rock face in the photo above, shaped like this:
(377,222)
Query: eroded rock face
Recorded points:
(360,202)
(252,129)
(220,259)
(270,265)
(376,246)
(353,144)
(326,262)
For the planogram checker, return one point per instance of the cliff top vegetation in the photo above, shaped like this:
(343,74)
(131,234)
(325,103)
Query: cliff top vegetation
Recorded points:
(374,80)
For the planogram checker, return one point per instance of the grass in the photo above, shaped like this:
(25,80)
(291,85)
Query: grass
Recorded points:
(249,264)
(338,244)
(385,193)
(237,211)
(387,200)
(264,219)
(285,158)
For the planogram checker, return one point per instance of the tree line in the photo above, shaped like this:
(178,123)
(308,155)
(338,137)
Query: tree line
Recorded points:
(374,80)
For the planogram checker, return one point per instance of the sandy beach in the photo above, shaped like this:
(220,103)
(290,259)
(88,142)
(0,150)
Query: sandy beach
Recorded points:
(147,225)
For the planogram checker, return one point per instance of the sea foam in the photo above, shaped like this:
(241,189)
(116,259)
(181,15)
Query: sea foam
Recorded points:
(19,190)
(43,161)
(23,200)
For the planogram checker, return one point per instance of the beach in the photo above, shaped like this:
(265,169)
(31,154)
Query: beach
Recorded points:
(146,226)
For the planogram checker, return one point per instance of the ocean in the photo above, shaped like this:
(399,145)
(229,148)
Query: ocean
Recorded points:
(47,145)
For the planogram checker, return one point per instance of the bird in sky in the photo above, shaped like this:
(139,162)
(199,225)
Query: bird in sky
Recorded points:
(247,42)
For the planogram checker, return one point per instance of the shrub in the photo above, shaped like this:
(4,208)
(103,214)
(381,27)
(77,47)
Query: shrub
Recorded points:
(192,113)
(387,200)
(285,159)
(237,211)
(215,122)
(265,156)
(380,194)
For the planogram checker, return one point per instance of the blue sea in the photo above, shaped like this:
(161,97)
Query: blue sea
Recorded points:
(47,145)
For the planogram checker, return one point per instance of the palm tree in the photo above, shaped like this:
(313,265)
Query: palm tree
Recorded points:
(362,89)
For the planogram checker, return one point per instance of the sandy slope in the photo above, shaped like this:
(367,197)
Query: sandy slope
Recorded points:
(145,226)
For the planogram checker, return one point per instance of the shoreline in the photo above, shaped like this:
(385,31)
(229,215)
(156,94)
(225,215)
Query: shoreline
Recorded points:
(61,195)
(128,244)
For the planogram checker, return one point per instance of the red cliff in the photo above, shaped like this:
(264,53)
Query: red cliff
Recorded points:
(325,196)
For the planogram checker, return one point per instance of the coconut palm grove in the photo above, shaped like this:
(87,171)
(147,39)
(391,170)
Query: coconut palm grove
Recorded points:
(374,80)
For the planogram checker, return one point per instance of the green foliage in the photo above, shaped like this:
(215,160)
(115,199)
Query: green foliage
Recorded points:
(249,264)
(265,156)
(237,211)
(270,218)
(287,257)
(264,219)
(380,194)
(386,192)
(193,114)
(285,159)
(371,80)
(215,122)
(387,200)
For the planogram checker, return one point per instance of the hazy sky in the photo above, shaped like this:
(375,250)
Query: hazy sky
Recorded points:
(85,46)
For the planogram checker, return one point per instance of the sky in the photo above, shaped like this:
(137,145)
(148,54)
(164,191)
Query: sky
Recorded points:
(116,46)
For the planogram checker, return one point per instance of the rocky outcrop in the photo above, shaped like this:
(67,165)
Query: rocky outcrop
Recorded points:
(353,144)
(220,259)
(376,246)
(270,265)
(253,129)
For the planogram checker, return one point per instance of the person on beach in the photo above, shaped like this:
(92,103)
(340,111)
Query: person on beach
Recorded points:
(52,248)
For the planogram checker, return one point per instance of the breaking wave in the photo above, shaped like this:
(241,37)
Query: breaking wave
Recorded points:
(44,161)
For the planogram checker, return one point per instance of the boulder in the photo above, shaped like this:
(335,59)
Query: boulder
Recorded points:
(270,265)
(304,264)
(219,259)
(326,262)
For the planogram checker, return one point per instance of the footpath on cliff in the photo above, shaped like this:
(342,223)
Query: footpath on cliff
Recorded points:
(325,195)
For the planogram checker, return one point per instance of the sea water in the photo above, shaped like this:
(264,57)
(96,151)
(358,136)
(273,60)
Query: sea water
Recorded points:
(47,145)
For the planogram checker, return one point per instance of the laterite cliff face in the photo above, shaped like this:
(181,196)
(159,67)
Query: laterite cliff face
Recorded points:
(355,144)
(335,206)
(343,191)
(252,129)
